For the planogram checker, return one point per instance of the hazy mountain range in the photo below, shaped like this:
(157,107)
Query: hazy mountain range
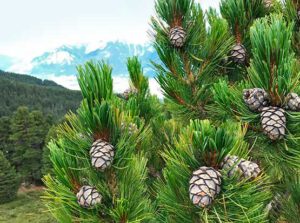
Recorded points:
(63,60)
(60,64)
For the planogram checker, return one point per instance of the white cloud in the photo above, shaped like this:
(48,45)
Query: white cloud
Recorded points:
(39,26)
(120,84)
(94,46)
(21,67)
(59,57)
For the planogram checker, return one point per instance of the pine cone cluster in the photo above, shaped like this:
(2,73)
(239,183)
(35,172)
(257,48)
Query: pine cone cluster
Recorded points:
(246,168)
(205,185)
(238,54)
(102,154)
(256,98)
(88,197)
(177,36)
(273,119)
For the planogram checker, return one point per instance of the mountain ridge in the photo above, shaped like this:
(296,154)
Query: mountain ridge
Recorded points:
(24,90)
(63,60)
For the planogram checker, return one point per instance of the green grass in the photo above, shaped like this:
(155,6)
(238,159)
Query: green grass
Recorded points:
(27,207)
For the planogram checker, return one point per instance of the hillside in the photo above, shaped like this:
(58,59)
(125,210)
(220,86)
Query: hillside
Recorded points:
(23,90)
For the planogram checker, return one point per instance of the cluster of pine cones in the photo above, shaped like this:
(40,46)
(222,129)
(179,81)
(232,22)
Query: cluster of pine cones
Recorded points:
(205,183)
(273,119)
(102,154)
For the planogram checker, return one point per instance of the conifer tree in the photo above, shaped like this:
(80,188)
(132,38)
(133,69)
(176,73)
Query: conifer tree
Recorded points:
(222,147)
(186,196)
(28,131)
(99,167)
(9,181)
(266,101)
(5,123)
(188,70)
(19,137)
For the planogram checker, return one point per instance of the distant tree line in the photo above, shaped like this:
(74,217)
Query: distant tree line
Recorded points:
(23,90)
(22,141)
(29,110)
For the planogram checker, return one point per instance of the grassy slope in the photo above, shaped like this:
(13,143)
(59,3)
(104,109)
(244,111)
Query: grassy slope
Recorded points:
(27,208)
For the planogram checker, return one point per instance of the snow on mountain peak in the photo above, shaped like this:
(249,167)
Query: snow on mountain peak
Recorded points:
(59,57)
(90,47)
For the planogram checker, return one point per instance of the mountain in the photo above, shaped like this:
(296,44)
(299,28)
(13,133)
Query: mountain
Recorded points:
(63,60)
(23,90)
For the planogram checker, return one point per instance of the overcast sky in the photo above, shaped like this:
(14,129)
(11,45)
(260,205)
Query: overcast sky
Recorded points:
(29,28)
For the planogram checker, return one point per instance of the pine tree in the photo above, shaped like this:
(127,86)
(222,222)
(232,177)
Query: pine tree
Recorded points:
(186,73)
(33,155)
(273,69)
(5,123)
(9,181)
(202,145)
(99,167)
(223,146)
(19,138)
(28,131)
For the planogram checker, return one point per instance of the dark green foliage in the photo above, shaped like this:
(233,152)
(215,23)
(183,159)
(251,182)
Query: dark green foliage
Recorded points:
(4,134)
(22,90)
(28,131)
(9,181)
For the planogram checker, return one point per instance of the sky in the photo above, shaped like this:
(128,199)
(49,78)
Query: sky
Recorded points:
(29,28)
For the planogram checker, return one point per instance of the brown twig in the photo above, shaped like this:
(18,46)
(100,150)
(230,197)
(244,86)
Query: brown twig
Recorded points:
(238,36)
(104,134)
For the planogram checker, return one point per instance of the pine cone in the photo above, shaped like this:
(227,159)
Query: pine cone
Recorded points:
(273,122)
(88,197)
(247,168)
(274,208)
(131,127)
(126,94)
(293,102)
(205,185)
(238,54)
(102,154)
(268,4)
(256,98)
(177,36)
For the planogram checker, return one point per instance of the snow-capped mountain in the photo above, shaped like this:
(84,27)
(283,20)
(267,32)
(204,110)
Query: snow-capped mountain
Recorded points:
(60,64)
(63,60)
